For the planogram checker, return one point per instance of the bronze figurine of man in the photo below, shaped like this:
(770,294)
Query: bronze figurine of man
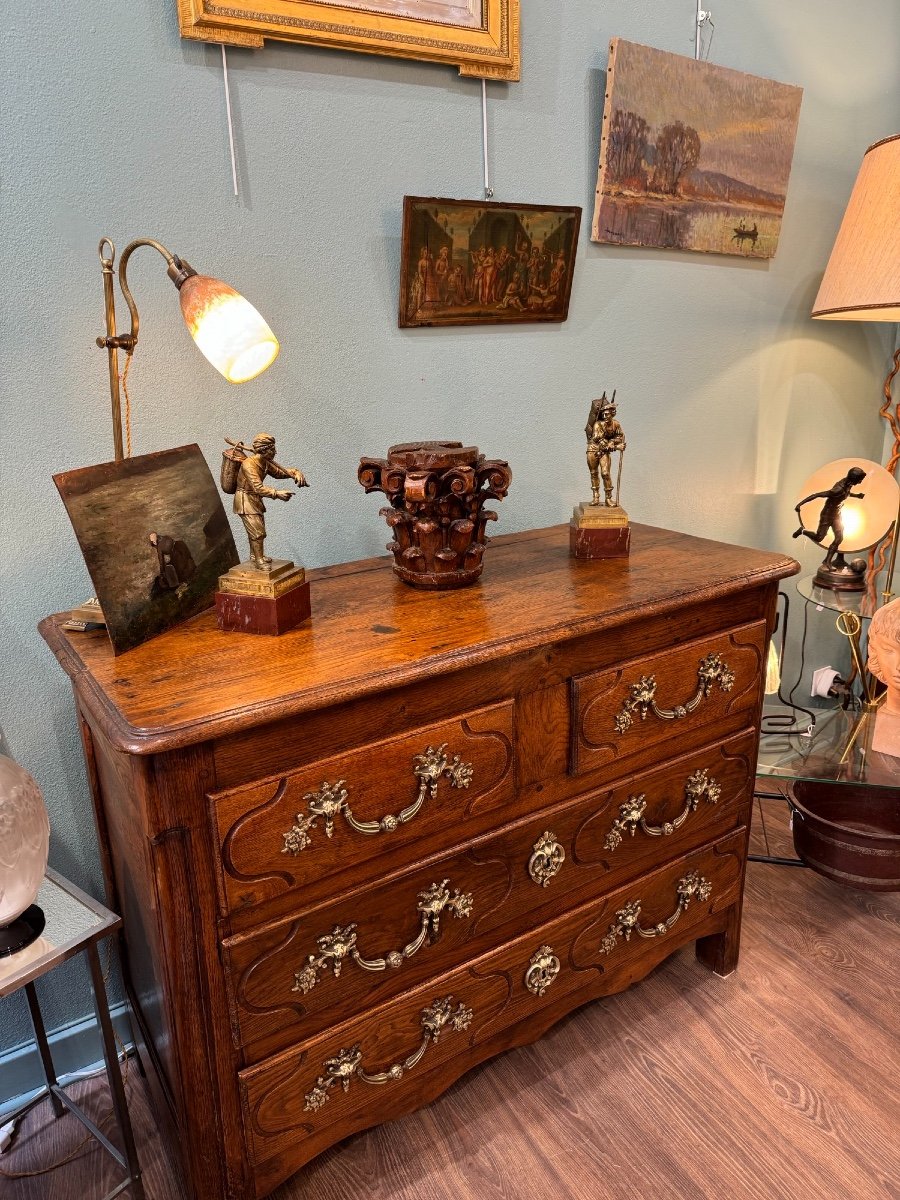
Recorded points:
(604,437)
(252,490)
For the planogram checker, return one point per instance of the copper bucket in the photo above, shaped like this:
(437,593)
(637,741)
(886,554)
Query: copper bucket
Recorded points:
(849,833)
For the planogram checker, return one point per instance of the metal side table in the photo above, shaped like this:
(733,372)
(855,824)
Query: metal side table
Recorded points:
(75,925)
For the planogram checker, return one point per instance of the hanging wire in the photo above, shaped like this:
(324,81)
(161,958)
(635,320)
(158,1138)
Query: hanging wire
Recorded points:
(488,190)
(234,177)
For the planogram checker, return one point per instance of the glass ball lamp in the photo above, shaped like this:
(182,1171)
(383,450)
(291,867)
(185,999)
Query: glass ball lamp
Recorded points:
(24,844)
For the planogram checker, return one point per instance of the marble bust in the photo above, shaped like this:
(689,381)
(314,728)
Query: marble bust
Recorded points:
(884,663)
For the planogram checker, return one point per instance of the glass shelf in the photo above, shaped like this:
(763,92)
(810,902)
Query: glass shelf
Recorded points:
(838,751)
(857,602)
(74,920)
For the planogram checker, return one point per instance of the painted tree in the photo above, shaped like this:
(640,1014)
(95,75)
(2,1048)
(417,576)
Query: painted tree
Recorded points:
(677,150)
(626,146)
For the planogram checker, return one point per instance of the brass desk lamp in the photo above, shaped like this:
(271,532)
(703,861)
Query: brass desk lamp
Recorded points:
(226,327)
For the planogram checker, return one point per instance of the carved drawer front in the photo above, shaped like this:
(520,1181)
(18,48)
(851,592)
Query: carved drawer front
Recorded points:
(363,809)
(675,694)
(324,965)
(400,1055)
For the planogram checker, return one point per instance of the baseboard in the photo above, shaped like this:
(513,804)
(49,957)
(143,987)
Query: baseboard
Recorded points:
(74,1047)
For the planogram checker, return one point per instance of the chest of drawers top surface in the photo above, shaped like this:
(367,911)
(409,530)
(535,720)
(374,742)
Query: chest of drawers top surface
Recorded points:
(369,633)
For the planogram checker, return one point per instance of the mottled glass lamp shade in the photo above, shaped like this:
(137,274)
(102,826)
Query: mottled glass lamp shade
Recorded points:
(24,844)
(227,328)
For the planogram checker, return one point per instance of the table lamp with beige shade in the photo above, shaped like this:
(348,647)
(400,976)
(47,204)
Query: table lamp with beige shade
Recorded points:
(862,279)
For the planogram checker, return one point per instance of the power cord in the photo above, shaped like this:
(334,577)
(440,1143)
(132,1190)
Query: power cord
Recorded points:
(786,724)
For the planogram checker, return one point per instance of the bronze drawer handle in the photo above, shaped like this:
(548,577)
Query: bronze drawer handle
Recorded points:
(348,1063)
(543,968)
(547,859)
(331,799)
(697,787)
(642,695)
(692,886)
(334,947)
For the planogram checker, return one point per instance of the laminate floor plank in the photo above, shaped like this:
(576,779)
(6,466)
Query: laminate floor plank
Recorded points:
(782,1081)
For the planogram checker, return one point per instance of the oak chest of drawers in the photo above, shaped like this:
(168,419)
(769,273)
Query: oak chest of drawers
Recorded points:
(356,860)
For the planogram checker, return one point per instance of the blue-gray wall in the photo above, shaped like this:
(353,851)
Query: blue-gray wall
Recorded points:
(112,125)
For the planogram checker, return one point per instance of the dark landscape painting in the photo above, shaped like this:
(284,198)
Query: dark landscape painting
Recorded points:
(469,262)
(693,156)
(155,538)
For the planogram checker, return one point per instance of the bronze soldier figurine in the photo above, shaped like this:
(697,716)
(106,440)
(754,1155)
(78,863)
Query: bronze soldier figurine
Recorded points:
(253,465)
(604,436)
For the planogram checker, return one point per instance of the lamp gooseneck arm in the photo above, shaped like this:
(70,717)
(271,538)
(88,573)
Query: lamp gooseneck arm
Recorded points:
(126,290)
(177,270)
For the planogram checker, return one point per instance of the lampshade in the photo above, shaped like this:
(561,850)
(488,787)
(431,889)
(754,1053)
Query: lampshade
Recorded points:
(865,521)
(862,279)
(227,328)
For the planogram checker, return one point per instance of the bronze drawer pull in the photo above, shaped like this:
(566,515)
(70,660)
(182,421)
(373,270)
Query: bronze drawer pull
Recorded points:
(331,799)
(334,947)
(697,787)
(547,859)
(348,1063)
(642,695)
(692,886)
(542,970)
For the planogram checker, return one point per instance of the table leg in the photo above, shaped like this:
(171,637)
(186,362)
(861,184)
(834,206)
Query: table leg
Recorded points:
(116,1086)
(40,1036)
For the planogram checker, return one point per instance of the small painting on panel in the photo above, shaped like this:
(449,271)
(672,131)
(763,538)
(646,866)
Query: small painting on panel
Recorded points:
(470,262)
(693,156)
(154,536)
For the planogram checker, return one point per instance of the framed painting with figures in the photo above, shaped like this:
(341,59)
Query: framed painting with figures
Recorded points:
(474,262)
(480,37)
(693,156)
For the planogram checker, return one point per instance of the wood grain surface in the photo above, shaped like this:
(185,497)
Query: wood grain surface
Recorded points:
(206,748)
(780,1082)
(369,632)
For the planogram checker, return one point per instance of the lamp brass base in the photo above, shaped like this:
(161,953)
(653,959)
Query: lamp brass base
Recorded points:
(597,531)
(266,602)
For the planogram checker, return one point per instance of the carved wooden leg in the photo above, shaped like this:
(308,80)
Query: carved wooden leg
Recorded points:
(720,951)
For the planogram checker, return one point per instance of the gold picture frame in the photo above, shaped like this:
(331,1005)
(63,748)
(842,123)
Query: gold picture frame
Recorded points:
(480,37)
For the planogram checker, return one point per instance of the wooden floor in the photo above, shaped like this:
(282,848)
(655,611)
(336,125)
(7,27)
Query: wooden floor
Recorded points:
(780,1082)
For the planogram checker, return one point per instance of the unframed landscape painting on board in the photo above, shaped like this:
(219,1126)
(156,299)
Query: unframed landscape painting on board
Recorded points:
(155,539)
(693,156)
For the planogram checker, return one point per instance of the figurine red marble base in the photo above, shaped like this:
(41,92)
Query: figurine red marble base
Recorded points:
(266,602)
(596,531)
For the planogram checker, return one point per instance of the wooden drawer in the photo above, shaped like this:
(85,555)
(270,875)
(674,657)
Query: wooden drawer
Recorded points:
(313,1095)
(673,695)
(299,975)
(349,811)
